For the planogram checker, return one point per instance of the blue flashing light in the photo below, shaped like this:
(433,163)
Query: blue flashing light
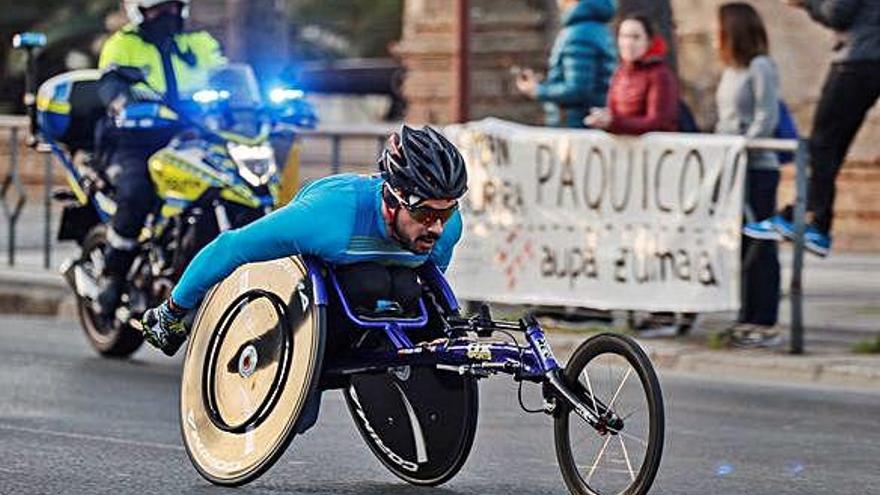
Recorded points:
(280,95)
(206,96)
(29,40)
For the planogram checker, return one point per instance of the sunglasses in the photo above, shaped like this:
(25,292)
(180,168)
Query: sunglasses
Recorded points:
(424,214)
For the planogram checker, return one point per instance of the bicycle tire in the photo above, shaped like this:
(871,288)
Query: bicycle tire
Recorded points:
(628,349)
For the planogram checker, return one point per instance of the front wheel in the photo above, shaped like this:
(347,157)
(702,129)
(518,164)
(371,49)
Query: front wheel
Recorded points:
(621,455)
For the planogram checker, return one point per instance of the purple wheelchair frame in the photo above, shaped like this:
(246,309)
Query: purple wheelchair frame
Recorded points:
(534,362)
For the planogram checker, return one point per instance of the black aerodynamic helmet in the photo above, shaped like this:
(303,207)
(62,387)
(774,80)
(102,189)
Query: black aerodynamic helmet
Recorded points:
(424,164)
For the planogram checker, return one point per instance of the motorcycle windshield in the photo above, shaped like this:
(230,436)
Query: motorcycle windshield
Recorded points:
(232,101)
(237,84)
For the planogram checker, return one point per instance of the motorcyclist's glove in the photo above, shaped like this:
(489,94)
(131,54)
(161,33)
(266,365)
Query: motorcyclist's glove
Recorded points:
(165,326)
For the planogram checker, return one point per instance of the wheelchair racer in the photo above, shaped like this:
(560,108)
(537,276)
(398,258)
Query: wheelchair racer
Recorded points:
(377,228)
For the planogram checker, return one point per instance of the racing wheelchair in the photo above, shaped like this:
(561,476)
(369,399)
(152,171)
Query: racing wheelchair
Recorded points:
(271,337)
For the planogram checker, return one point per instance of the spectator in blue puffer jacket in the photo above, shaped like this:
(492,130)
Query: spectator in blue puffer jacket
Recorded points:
(581,63)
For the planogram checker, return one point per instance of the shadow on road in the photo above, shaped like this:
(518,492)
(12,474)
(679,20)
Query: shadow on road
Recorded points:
(350,487)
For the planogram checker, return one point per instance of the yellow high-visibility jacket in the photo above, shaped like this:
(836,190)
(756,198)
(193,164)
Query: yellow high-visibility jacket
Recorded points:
(197,52)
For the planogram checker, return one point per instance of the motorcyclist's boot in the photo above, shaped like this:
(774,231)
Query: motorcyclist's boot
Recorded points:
(110,290)
(111,286)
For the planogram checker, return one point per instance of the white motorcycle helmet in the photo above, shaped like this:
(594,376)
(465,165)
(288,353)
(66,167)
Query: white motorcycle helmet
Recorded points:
(133,8)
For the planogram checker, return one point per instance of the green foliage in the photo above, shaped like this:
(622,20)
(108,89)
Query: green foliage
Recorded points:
(718,340)
(61,21)
(349,28)
(868,346)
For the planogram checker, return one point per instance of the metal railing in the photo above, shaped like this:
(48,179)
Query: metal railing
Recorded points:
(13,191)
(337,133)
(18,129)
(795,294)
(13,194)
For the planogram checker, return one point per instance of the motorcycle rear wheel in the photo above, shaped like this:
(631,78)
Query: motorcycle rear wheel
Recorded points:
(109,338)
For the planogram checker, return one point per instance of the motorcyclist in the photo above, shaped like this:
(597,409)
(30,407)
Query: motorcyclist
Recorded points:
(375,228)
(175,63)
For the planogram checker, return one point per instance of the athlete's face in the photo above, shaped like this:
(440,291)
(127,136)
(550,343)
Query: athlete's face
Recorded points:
(418,236)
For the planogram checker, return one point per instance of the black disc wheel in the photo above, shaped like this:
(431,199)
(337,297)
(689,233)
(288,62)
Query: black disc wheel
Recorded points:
(108,336)
(620,453)
(252,363)
(419,422)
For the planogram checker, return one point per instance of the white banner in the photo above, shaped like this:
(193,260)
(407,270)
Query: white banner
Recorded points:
(583,218)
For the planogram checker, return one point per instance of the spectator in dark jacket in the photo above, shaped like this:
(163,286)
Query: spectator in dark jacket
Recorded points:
(851,88)
(580,66)
(643,95)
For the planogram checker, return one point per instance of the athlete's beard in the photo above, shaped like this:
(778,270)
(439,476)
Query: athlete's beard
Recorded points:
(412,244)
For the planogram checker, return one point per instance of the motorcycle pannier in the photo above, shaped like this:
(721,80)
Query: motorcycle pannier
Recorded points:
(68,108)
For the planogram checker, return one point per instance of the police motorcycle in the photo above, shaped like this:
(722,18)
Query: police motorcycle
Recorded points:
(218,172)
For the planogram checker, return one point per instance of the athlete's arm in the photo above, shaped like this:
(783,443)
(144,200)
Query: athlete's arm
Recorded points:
(314,224)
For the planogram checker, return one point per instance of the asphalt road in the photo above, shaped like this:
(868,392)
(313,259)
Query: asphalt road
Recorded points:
(71,422)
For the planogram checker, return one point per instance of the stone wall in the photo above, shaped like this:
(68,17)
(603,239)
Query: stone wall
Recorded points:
(504,34)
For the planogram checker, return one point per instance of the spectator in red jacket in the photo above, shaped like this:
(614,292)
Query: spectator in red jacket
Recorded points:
(643,95)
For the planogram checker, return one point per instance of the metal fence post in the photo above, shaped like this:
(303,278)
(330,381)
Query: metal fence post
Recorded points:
(380,146)
(47,205)
(13,177)
(12,181)
(800,208)
(336,143)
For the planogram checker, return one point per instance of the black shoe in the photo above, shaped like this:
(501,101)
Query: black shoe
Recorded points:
(110,290)
(747,335)
(654,328)
(687,323)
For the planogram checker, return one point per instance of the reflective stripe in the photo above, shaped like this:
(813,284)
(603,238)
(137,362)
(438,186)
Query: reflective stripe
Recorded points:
(116,241)
(49,105)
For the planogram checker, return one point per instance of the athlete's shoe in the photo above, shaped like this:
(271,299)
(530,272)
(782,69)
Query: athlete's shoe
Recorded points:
(165,327)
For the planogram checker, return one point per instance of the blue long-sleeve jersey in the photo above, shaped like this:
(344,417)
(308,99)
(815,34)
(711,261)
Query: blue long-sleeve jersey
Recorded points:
(338,219)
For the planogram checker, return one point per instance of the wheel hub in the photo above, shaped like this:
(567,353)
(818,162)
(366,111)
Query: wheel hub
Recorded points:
(247,362)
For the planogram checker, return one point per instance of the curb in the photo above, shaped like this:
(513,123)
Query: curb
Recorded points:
(33,293)
(845,370)
(46,294)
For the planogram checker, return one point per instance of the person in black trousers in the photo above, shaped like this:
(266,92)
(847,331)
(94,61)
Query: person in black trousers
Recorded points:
(851,88)
(748,105)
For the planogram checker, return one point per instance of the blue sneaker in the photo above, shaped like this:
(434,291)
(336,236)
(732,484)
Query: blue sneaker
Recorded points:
(783,226)
(764,230)
(816,242)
